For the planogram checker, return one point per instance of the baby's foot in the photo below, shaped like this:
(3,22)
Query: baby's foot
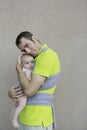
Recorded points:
(15,124)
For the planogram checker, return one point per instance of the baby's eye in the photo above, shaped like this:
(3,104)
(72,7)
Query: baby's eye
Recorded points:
(32,62)
(23,50)
(27,62)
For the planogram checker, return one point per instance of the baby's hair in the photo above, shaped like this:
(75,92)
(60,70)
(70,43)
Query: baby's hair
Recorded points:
(25,55)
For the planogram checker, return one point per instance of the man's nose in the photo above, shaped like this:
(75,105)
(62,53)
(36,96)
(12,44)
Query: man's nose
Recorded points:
(27,50)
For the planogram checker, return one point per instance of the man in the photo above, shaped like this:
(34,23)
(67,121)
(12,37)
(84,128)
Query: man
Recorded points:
(39,112)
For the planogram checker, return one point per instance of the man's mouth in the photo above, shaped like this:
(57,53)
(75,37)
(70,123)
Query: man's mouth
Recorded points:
(33,53)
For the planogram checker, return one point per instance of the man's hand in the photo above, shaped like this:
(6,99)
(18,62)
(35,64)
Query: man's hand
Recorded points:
(15,93)
(18,65)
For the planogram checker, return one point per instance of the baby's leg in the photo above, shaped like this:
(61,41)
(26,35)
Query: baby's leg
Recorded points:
(20,106)
(12,111)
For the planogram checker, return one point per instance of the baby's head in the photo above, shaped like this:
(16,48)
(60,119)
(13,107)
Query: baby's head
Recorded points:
(27,61)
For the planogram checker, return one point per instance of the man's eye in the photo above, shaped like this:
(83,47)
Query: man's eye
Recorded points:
(22,50)
(26,45)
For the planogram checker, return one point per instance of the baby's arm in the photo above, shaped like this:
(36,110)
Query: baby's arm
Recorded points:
(28,74)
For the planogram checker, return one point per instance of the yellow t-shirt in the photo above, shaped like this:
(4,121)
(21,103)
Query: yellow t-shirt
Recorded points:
(46,64)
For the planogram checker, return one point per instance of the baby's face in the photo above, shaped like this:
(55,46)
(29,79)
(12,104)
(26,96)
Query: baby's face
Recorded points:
(27,62)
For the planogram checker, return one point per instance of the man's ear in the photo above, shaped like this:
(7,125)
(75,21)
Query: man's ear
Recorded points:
(34,38)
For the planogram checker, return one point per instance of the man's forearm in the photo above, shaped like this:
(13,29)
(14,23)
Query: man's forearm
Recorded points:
(23,80)
(30,87)
(26,84)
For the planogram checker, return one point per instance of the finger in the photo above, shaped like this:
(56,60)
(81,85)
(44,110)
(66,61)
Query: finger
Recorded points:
(16,98)
(19,59)
(18,88)
(19,93)
(14,86)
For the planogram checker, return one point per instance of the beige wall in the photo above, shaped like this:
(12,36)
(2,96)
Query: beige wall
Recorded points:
(63,25)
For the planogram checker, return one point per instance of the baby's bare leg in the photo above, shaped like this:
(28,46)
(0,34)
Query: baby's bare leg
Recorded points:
(20,106)
(12,111)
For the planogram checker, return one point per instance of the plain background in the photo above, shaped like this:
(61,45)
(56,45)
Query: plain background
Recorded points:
(62,24)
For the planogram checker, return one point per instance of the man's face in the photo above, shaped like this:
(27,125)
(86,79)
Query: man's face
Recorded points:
(28,47)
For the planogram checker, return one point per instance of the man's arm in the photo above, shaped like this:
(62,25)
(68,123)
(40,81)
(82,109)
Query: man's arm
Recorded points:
(29,87)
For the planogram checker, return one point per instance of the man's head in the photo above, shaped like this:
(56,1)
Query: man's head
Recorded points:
(28,43)
(26,34)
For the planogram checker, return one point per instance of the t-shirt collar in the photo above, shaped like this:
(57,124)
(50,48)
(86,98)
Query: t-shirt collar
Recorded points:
(44,46)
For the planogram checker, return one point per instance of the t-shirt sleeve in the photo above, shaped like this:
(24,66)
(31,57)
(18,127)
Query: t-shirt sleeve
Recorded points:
(43,66)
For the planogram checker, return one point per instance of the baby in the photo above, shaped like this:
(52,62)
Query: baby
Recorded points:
(27,63)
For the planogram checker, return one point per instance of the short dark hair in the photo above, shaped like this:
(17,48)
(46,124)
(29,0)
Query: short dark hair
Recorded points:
(25,34)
